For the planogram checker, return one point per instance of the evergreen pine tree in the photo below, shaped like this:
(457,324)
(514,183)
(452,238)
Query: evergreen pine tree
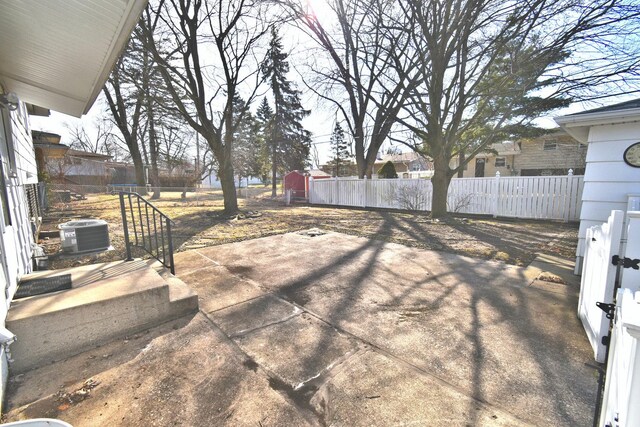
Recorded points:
(339,148)
(290,142)
(246,147)
(264,117)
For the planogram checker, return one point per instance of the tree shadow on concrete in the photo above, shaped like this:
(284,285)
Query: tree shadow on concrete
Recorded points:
(551,370)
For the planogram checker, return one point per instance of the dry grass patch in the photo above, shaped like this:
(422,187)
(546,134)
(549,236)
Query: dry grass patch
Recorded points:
(199,223)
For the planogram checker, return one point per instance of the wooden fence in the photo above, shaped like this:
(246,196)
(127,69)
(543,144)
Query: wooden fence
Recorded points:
(540,197)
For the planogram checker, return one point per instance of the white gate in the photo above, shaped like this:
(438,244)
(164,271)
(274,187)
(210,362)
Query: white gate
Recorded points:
(598,279)
(621,397)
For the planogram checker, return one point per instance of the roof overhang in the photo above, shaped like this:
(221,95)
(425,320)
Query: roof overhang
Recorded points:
(578,125)
(51,150)
(57,54)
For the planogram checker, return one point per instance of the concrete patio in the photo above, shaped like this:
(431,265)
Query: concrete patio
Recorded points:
(331,329)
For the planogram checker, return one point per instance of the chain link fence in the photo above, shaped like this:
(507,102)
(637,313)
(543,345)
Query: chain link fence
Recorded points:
(51,194)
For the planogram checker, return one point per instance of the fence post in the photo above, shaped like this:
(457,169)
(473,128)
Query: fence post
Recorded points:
(496,194)
(336,200)
(366,191)
(568,196)
(630,277)
(310,190)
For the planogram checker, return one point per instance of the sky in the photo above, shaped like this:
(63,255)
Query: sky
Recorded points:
(320,122)
(322,118)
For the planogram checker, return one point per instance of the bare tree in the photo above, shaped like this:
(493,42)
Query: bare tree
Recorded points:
(367,84)
(490,67)
(102,140)
(210,57)
(125,103)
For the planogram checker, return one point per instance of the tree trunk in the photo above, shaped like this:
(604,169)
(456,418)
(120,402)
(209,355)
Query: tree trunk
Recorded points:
(365,169)
(228,188)
(461,160)
(440,183)
(153,152)
(138,166)
(274,170)
(227,180)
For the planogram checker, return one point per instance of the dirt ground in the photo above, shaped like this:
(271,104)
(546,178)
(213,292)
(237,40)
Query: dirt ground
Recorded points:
(200,223)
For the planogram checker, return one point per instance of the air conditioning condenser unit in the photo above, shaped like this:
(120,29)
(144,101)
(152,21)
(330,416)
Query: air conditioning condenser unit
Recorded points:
(86,235)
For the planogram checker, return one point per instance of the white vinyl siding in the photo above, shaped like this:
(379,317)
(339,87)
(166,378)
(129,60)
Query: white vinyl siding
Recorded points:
(607,180)
(24,155)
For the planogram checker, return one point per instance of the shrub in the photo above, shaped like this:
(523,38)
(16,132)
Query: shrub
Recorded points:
(388,170)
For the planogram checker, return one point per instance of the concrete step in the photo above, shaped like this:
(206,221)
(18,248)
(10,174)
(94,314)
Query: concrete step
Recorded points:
(107,301)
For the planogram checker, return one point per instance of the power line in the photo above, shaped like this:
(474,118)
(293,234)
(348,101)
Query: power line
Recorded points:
(368,128)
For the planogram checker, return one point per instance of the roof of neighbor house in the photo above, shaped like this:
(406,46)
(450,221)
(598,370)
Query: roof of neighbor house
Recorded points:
(317,172)
(505,148)
(312,172)
(578,124)
(42,137)
(87,154)
(58,66)
(406,157)
(634,103)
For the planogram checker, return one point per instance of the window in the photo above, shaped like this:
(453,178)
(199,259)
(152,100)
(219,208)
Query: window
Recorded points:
(500,162)
(550,144)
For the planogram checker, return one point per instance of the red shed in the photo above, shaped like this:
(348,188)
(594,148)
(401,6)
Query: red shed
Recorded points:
(298,182)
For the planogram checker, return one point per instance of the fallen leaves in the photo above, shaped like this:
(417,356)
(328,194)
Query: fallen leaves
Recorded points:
(67,399)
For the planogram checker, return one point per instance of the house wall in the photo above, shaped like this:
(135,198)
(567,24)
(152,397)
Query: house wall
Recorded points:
(608,180)
(78,170)
(534,160)
(400,167)
(18,163)
(490,168)
(568,155)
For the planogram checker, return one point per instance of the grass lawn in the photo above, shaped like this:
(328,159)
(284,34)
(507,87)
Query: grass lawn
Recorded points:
(200,223)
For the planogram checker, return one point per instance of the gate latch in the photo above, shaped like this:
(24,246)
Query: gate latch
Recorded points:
(626,262)
(607,308)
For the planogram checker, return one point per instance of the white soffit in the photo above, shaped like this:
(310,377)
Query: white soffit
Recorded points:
(578,125)
(57,54)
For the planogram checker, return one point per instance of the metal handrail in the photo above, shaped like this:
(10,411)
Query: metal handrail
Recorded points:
(148,230)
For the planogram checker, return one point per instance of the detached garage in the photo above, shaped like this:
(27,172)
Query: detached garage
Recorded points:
(612,175)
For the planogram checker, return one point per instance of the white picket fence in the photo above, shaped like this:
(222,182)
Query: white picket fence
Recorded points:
(619,236)
(539,197)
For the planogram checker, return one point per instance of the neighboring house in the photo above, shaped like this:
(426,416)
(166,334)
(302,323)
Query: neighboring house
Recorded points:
(318,174)
(410,164)
(551,154)
(85,168)
(64,165)
(45,65)
(501,159)
(123,172)
(610,182)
